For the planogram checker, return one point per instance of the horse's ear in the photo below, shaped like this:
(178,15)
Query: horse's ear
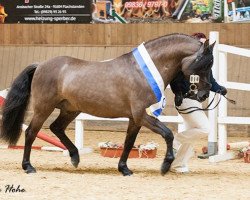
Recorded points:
(206,43)
(211,46)
(208,49)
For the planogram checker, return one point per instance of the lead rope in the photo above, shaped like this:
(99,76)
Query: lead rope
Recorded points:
(195,108)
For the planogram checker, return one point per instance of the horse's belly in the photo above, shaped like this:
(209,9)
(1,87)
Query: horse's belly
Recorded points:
(105,109)
(100,104)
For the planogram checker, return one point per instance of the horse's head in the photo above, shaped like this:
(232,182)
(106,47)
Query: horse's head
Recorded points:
(197,69)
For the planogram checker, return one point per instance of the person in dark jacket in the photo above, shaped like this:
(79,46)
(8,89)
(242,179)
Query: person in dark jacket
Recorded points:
(196,124)
(180,87)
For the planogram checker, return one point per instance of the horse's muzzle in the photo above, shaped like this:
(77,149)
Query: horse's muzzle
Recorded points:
(202,96)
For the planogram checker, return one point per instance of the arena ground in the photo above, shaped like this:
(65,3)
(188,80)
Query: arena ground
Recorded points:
(97,177)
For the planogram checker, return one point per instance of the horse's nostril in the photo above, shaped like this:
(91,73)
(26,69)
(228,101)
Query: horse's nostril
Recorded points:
(204,97)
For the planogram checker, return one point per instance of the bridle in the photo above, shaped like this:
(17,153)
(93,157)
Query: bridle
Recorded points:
(193,90)
(195,108)
(193,80)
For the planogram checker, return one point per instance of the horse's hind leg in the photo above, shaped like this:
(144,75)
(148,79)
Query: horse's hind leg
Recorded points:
(132,132)
(58,128)
(158,127)
(30,135)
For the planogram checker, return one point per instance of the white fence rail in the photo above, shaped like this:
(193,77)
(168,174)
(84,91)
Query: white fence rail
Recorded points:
(79,125)
(219,118)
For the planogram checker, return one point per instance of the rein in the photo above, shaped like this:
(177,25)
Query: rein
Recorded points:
(195,108)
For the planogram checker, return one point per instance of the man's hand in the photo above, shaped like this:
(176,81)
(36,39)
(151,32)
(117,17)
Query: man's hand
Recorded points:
(178,99)
(223,90)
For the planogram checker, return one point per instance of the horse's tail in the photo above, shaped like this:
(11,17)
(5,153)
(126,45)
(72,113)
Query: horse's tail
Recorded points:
(16,104)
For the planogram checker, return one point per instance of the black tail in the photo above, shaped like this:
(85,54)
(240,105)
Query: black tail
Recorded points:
(16,104)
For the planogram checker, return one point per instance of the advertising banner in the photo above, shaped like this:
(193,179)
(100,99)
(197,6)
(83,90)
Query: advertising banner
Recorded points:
(116,11)
(45,11)
(163,11)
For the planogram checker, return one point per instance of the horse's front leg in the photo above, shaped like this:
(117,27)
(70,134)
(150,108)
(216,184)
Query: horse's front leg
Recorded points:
(132,132)
(158,127)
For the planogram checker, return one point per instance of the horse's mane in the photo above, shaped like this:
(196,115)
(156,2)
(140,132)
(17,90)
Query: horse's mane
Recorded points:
(178,43)
(173,36)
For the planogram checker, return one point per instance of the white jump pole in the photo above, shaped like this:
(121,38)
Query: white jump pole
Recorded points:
(79,138)
(222,109)
(223,154)
(79,134)
(212,114)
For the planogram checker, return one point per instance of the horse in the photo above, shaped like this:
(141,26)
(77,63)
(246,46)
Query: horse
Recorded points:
(112,88)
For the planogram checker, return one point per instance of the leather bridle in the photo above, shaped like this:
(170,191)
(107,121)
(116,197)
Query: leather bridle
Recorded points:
(195,108)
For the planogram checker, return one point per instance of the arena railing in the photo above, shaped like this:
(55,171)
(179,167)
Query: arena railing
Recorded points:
(218,118)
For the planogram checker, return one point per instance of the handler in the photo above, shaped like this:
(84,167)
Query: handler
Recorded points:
(196,123)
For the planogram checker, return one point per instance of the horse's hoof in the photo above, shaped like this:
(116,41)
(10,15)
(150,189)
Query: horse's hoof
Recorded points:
(30,170)
(165,168)
(125,171)
(75,160)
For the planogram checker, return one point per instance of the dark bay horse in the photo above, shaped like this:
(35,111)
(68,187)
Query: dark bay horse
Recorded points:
(114,88)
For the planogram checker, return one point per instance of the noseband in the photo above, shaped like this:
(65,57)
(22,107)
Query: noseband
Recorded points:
(193,80)
(193,88)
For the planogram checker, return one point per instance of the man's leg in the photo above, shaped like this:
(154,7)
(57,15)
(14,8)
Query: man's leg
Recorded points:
(196,127)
